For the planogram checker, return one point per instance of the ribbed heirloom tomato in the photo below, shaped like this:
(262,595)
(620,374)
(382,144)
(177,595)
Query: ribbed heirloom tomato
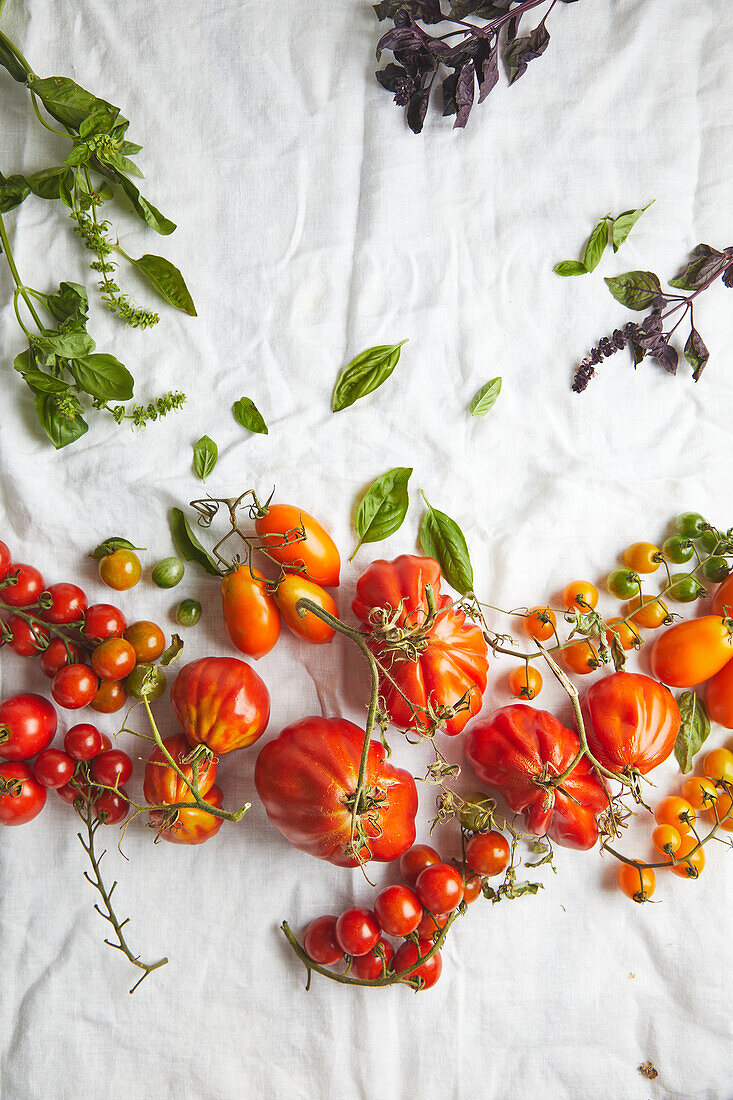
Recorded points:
(281,532)
(631,721)
(194,826)
(250,613)
(692,651)
(514,749)
(162,784)
(220,702)
(449,663)
(307,779)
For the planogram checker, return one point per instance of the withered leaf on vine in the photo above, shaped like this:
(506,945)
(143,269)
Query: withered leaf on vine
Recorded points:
(694,729)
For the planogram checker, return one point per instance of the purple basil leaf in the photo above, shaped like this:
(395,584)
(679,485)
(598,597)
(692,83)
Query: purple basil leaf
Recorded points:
(637,352)
(487,9)
(450,107)
(391,77)
(427,10)
(668,358)
(728,277)
(489,74)
(417,109)
(521,51)
(399,38)
(696,353)
(704,265)
(464,94)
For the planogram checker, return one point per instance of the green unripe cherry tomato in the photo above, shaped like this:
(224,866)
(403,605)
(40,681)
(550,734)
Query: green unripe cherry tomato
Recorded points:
(716,569)
(623,583)
(155,683)
(686,588)
(690,525)
(168,572)
(188,612)
(710,540)
(677,549)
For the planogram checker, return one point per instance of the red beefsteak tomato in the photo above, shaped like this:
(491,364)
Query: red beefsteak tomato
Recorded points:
(450,658)
(307,778)
(631,721)
(514,749)
(220,702)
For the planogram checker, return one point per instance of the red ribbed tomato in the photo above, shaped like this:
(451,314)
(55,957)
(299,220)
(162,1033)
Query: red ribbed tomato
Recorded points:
(514,749)
(220,702)
(162,784)
(450,659)
(193,826)
(631,721)
(306,778)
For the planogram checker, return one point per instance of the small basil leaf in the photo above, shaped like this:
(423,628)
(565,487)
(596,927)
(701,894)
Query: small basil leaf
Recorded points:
(167,280)
(624,223)
(67,101)
(596,245)
(248,415)
(696,353)
(635,289)
(486,397)
(13,191)
(519,52)
(188,545)
(365,373)
(694,729)
(205,456)
(111,544)
(566,268)
(103,377)
(441,538)
(69,302)
(383,507)
(143,208)
(60,417)
(40,382)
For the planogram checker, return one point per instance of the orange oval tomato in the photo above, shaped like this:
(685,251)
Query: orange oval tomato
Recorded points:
(294,587)
(677,812)
(692,652)
(719,696)
(163,785)
(628,633)
(652,611)
(250,612)
(637,882)
(723,599)
(580,658)
(147,639)
(580,595)
(525,682)
(281,533)
(540,623)
(195,826)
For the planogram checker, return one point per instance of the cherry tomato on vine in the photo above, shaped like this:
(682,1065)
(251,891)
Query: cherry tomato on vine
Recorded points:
(700,792)
(357,931)
(540,623)
(666,838)
(724,807)
(83,741)
(103,620)
(488,853)
(27,726)
(28,586)
(678,550)
(27,798)
(75,788)
(281,533)
(650,612)
(631,721)
(694,860)
(250,613)
(677,812)
(718,764)
(410,953)
(580,596)
(57,656)
(319,941)
(580,658)
(628,634)
(151,677)
(691,652)
(53,768)
(638,883)
(440,888)
(623,583)
(114,806)
(642,557)
(195,826)
(415,860)
(525,682)
(294,587)
(373,964)
(147,639)
(27,640)
(74,687)
(113,659)
(5,560)
(431,924)
(714,542)
(715,569)
(690,525)
(472,882)
(68,603)
(685,588)
(109,697)
(111,768)
(120,570)
(398,910)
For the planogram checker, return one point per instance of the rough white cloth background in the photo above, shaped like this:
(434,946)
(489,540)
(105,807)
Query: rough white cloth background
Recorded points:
(313,224)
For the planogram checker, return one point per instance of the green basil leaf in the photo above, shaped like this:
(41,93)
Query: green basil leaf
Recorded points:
(188,545)
(694,729)
(46,184)
(62,424)
(101,121)
(486,397)
(120,162)
(80,154)
(68,102)
(13,191)
(635,289)
(248,415)
(103,377)
(383,507)
(111,544)
(624,223)
(205,455)
(566,268)
(12,63)
(69,302)
(441,538)
(38,380)
(596,245)
(145,209)
(167,280)
(364,374)
(67,345)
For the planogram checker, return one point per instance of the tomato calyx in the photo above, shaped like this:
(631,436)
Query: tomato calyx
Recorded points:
(393,632)
(13,788)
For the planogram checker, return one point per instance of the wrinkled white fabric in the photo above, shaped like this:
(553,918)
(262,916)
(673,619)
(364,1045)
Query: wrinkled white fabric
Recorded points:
(313,224)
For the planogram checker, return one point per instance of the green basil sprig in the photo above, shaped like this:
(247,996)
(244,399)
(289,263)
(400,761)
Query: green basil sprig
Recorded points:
(205,457)
(694,729)
(383,507)
(249,416)
(364,374)
(441,538)
(608,229)
(486,397)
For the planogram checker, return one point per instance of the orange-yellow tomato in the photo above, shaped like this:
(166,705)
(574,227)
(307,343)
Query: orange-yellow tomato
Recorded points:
(540,623)
(718,764)
(700,792)
(695,862)
(297,541)
(719,696)
(666,838)
(250,612)
(652,611)
(580,595)
(691,652)
(724,806)
(111,696)
(677,812)
(628,633)
(294,587)
(642,557)
(525,682)
(581,658)
(147,639)
(194,826)
(723,599)
(637,882)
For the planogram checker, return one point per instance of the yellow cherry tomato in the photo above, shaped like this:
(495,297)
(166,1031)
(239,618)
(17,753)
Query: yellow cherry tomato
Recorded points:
(677,812)
(628,633)
(700,792)
(692,867)
(652,611)
(580,595)
(637,882)
(581,658)
(666,838)
(540,623)
(724,806)
(718,764)
(643,557)
(524,682)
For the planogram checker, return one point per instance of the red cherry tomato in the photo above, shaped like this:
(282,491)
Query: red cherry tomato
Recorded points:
(27,726)
(415,860)
(53,768)
(250,613)
(281,533)
(431,924)
(112,768)
(488,853)
(24,797)
(114,806)
(631,721)
(147,639)
(75,788)
(163,784)
(27,640)
(319,941)
(194,826)
(57,656)
(103,620)
(410,953)
(398,910)
(294,587)
(472,882)
(28,585)
(68,603)
(110,696)
(220,702)
(83,741)
(5,561)
(74,687)
(440,888)
(373,964)
(114,659)
(357,931)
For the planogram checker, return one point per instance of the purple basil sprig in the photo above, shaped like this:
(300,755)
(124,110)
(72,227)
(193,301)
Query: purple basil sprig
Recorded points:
(642,290)
(466,57)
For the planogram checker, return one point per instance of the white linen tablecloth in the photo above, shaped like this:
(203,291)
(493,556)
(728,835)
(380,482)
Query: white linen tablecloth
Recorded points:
(313,224)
